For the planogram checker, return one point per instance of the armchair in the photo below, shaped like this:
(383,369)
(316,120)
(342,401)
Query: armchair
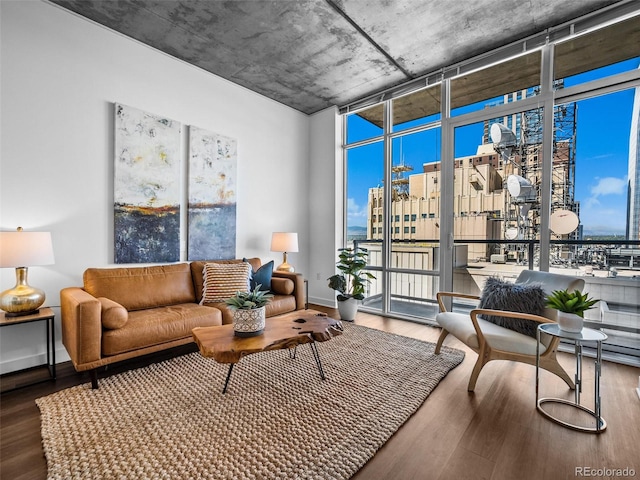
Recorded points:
(494,342)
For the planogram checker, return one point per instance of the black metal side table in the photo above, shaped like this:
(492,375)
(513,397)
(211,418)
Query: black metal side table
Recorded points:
(586,335)
(43,315)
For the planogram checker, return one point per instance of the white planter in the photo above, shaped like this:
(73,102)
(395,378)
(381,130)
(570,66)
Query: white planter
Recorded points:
(570,322)
(249,323)
(348,309)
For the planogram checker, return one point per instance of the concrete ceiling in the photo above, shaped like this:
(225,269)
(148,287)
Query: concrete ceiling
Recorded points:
(311,54)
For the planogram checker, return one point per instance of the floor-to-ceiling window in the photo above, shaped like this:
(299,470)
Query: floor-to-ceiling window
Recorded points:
(527,162)
(497,120)
(403,201)
(364,166)
(602,94)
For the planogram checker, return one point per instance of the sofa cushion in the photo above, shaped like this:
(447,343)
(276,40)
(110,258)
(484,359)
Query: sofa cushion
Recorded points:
(222,281)
(138,288)
(498,294)
(113,314)
(155,326)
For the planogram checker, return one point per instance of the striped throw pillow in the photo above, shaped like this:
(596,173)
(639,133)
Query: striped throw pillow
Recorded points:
(223,280)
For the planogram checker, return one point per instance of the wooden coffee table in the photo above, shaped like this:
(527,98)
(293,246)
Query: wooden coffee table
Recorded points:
(282,332)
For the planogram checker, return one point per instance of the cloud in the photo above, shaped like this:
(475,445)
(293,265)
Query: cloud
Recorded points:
(605,186)
(609,186)
(354,210)
(604,156)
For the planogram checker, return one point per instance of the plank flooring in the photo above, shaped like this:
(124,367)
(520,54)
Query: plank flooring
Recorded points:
(495,433)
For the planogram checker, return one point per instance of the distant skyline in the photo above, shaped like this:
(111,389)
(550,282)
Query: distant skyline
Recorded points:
(602,155)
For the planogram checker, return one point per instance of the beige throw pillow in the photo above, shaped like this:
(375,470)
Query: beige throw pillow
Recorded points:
(223,280)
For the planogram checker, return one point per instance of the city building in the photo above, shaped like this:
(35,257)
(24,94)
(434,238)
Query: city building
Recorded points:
(484,207)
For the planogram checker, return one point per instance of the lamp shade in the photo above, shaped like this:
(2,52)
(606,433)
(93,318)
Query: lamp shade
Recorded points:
(284,242)
(25,249)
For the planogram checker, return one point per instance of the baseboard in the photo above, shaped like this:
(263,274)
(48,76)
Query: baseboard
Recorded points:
(16,364)
(322,302)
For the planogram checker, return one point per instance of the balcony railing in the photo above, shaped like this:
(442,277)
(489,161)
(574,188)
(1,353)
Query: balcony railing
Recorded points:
(610,268)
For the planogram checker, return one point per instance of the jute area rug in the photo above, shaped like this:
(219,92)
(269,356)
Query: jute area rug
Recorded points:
(278,420)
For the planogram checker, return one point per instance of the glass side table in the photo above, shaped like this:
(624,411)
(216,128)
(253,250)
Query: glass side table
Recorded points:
(44,314)
(586,335)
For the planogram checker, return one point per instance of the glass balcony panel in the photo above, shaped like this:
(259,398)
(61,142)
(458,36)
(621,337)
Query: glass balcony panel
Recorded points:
(469,276)
(373,290)
(414,295)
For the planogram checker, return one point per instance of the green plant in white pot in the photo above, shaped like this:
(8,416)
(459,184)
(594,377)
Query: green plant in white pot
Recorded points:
(350,283)
(249,311)
(571,307)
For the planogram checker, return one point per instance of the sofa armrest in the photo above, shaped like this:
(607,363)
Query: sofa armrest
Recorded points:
(298,287)
(81,326)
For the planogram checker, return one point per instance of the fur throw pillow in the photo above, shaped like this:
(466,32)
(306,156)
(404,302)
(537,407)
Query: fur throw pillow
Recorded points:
(498,294)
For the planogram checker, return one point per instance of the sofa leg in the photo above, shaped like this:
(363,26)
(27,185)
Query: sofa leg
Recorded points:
(94,378)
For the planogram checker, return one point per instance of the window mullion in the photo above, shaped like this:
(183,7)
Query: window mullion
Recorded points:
(546,84)
(387,208)
(446,191)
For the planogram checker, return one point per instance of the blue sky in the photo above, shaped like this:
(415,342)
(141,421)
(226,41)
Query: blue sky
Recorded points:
(602,150)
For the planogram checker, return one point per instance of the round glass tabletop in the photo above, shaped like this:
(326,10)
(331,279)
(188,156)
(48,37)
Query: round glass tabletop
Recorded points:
(586,335)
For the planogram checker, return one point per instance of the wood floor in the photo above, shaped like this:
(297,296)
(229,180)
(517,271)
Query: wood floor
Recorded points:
(495,433)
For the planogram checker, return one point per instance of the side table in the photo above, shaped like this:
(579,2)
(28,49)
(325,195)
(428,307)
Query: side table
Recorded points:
(586,335)
(43,315)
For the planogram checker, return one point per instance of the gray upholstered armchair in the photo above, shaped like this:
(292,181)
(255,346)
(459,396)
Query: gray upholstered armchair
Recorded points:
(495,342)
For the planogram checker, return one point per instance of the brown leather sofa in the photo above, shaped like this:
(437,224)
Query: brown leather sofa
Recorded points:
(121,313)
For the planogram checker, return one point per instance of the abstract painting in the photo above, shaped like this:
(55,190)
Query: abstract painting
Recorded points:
(146,187)
(212,195)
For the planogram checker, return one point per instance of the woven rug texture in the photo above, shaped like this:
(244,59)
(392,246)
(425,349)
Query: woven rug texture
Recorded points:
(278,419)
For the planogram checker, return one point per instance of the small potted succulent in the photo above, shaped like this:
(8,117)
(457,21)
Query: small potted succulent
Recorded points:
(249,311)
(571,307)
(351,281)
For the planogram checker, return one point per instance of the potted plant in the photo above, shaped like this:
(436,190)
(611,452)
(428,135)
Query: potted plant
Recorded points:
(351,281)
(249,311)
(571,307)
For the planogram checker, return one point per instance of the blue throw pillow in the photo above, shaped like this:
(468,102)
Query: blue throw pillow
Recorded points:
(262,277)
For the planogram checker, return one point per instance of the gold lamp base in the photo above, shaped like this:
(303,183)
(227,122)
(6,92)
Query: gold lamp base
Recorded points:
(284,266)
(22,299)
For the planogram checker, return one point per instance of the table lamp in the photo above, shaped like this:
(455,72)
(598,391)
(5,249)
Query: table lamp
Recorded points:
(284,242)
(21,250)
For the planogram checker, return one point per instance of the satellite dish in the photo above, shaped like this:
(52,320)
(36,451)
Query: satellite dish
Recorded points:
(502,135)
(511,233)
(519,187)
(563,222)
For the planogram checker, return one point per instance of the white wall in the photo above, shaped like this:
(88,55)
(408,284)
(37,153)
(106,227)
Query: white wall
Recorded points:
(60,75)
(326,200)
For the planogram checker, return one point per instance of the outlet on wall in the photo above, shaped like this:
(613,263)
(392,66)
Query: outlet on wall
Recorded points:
(317,276)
